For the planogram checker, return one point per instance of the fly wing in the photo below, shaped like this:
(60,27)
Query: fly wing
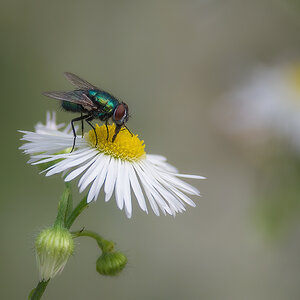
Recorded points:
(77,97)
(81,83)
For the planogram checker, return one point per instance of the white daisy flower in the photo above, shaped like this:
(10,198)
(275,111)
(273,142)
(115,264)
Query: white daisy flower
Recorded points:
(265,104)
(119,167)
(50,127)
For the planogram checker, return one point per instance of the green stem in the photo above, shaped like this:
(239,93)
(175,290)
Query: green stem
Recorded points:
(69,204)
(38,292)
(82,205)
(62,207)
(105,246)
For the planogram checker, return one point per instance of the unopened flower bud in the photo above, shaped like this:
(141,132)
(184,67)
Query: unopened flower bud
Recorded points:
(111,263)
(53,247)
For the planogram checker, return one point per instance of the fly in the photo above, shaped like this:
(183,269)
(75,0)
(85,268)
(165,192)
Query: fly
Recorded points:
(92,103)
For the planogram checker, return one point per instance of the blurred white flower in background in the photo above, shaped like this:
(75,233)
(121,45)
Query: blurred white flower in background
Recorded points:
(262,114)
(264,105)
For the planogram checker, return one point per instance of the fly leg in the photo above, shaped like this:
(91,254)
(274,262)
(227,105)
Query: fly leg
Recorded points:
(128,130)
(81,126)
(117,130)
(88,120)
(73,128)
(106,122)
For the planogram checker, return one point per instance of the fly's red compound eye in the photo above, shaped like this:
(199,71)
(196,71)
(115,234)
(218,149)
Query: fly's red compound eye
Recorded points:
(120,112)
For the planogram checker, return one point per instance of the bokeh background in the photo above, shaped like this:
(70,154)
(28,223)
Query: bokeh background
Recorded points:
(174,63)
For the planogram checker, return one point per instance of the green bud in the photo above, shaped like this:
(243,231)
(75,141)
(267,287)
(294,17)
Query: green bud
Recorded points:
(53,248)
(111,263)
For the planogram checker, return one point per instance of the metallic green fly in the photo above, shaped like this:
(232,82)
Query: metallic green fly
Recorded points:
(92,103)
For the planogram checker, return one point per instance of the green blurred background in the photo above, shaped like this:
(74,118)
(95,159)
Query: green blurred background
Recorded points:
(170,61)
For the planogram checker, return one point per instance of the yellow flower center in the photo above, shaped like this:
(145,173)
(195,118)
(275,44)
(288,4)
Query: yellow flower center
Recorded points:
(125,146)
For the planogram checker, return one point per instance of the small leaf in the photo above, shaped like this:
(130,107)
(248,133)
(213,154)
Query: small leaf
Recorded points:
(31,294)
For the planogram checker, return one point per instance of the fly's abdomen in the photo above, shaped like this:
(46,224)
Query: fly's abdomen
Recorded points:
(69,106)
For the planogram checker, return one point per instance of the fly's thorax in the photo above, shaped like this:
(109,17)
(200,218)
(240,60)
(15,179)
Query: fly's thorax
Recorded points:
(106,102)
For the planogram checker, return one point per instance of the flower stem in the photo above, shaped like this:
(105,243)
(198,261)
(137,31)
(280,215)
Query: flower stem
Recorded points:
(38,292)
(69,208)
(62,208)
(82,205)
(105,246)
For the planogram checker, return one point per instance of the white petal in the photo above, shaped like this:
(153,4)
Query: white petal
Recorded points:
(69,163)
(137,189)
(185,187)
(152,202)
(98,182)
(78,171)
(119,189)
(48,117)
(160,162)
(183,197)
(190,176)
(127,194)
(91,173)
(148,186)
(102,177)
(156,157)
(171,199)
(48,140)
(43,158)
(161,186)
(168,187)
(108,195)
(110,179)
